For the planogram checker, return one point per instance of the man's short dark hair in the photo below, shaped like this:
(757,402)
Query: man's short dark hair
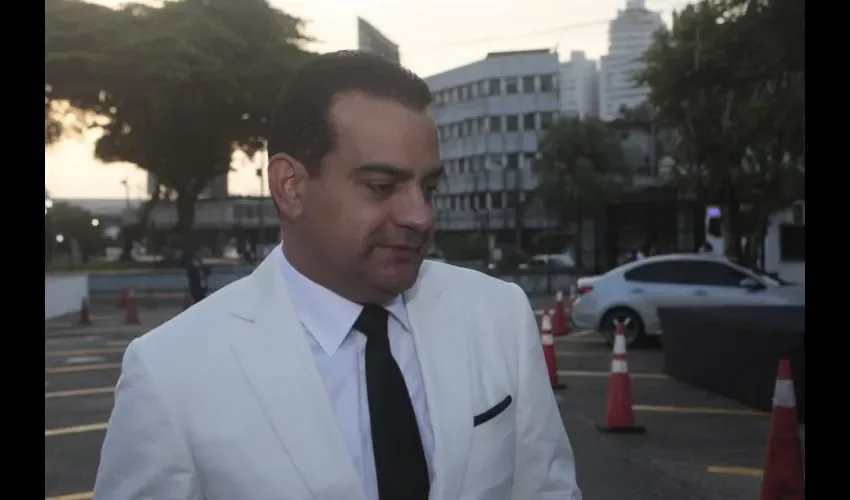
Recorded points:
(300,124)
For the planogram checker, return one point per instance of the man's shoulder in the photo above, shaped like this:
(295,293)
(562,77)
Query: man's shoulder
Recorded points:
(468,282)
(194,330)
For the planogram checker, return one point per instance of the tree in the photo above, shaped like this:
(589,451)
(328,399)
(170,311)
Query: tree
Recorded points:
(580,167)
(182,85)
(74,224)
(75,34)
(727,79)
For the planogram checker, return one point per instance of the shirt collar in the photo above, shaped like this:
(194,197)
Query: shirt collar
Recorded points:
(327,316)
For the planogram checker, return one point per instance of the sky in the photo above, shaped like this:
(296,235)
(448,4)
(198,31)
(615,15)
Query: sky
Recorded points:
(433,36)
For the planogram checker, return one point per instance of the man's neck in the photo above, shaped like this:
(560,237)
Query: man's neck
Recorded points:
(327,277)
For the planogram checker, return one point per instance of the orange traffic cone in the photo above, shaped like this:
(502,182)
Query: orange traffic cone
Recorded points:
(558,319)
(132,316)
(548,342)
(619,417)
(187,301)
(85,318)
(783,477)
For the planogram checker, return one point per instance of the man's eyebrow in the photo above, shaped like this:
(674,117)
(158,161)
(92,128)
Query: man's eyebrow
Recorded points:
(435,173)
(383,168)
(397,172)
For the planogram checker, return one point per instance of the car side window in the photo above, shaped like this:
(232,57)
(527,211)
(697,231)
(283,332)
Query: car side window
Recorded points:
(715,274)
(654,272)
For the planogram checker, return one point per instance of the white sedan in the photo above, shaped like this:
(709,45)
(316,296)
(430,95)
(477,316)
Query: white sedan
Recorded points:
(636,290)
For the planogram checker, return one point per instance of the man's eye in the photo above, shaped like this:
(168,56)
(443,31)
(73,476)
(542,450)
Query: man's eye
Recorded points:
(382,189)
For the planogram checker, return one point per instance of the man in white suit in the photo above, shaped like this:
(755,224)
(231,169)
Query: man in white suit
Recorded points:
(344,367)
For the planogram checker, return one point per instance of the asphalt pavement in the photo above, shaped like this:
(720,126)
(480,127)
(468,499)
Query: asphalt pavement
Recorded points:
(696,445)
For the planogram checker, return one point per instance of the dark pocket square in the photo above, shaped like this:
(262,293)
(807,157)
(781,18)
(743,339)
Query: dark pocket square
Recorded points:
(492,412)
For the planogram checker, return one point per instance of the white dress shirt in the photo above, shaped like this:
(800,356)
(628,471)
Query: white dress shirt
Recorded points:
(339,352)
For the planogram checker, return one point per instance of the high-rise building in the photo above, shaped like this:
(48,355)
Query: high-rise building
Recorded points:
(490,115)
(579,86)
(369,39)
(630,35)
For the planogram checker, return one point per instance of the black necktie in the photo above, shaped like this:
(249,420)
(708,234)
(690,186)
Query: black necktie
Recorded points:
(399,458)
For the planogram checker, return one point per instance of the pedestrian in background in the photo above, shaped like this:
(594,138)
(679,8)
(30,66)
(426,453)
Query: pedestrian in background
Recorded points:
(197,275)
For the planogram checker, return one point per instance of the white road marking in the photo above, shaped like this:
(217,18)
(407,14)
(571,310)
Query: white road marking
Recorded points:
(83,359)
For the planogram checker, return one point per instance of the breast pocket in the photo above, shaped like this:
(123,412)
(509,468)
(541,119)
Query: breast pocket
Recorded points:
(491,461)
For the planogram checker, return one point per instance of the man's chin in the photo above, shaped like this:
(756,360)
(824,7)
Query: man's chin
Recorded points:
(398,278)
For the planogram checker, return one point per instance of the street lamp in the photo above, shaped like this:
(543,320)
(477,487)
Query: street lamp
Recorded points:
(60,238)
(126,184)
(95,222)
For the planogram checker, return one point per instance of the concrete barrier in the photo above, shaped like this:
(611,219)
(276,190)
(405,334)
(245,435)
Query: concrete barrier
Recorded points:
(734,351)
(63,294)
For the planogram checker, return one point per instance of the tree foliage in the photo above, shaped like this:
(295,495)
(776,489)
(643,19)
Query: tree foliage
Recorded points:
(182,85)
(580,166)
(728,79)
(73,223)
(580,161)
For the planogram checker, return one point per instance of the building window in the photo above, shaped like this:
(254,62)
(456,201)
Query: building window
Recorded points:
(461,165)
(497,200)
(482,125)
(496,161)
(512,161)
(472,90)
(547,83)
(495,124)
(473,126)
(546,120)
(481,200)
(494,86)
(528,160)
(511,85)
(528,122)
(464,93)
(512,123)
(528,84)
(792,243)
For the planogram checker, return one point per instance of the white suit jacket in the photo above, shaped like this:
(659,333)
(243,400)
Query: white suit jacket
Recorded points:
(224,401)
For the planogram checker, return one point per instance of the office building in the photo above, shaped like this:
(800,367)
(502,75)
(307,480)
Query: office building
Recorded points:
(489,116)
(579,86)
(629,35)
(369,39)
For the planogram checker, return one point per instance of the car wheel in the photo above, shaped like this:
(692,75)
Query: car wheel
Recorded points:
(634,329)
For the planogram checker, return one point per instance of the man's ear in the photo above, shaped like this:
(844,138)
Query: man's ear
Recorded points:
(287,182)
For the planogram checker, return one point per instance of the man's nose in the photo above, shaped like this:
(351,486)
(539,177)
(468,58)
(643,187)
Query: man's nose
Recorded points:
(414,211)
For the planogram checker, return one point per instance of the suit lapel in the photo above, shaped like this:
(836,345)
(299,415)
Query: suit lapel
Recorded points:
(275,357)
(444,358)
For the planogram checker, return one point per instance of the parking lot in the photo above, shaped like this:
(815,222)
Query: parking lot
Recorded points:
(697,446)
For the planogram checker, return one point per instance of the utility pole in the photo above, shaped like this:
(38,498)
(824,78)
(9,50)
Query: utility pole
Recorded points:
(126,185)
(261,214)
